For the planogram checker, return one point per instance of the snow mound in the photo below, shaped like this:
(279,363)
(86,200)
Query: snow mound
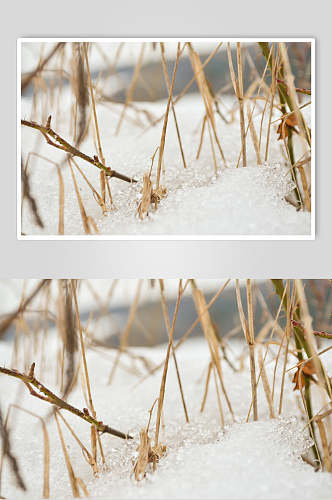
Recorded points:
(244,460)
(236,201)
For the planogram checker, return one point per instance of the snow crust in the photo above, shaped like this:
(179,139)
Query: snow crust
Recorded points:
(244,460)
(199,201)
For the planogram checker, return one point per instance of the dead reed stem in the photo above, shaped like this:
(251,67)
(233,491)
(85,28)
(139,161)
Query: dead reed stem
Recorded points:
(168,327)
(238,89)
(266,384)
(206,389)
(210,335)
(84,217)
(46,473)
(208,102)
(190,329)
(248,331)
(162,46)
(163,135)
(71,474)
(100,152)
(164,375)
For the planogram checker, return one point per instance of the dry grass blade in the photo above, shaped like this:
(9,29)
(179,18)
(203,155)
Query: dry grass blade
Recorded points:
(100,152)
(164,376)
(163,135)
(70,470)
(26,193)
(168,327)
(210,335)
(87,455)
(208,102)
(7,452)
(46,474)
(84,217)
(80,89)
(238,89)
(162,46)
(248,330)
(266,384)
(325,445)
(206,389)
(190,329)
(254,136)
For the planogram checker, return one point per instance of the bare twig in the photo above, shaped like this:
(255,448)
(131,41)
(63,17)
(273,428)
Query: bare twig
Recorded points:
(47,395)
(62,144)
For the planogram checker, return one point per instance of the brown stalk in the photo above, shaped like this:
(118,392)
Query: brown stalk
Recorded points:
(61,187)
(84,216)
(26,193)
(266,384)
(168,327)
(87,455)
(46,474)
(288,334)
(162,46)
(248,331)
(207,99)
(304,131)
(206,390)
(190,329)
(189,84)
(325,445)
(238,89)
(254,136)
(71,473)
(86,374)
(164,376)
(201,137)
(163,135)
(7,452)
(100,152)
(210,335)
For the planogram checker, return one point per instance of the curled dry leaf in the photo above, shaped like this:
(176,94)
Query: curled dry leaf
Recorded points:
(147,454)
(287,122)
(149,196)
(304,369)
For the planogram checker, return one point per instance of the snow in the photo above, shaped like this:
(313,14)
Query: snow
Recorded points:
(244,460)
(235,201)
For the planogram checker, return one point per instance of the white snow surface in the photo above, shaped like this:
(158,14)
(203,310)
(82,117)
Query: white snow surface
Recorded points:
(255,460)
(235,201)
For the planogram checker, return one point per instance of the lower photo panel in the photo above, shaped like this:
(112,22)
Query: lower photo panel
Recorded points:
(175,388)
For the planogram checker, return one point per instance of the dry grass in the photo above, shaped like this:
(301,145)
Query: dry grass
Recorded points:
(266,93)
(279,331)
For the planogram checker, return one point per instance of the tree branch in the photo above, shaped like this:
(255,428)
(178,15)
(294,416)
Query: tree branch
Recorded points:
(60,143)
(47,395)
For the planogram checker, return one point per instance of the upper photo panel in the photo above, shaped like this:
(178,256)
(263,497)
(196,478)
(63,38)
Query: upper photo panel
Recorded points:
(174,139)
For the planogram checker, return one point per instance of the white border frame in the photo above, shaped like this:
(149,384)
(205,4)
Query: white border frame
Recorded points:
(206,237)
